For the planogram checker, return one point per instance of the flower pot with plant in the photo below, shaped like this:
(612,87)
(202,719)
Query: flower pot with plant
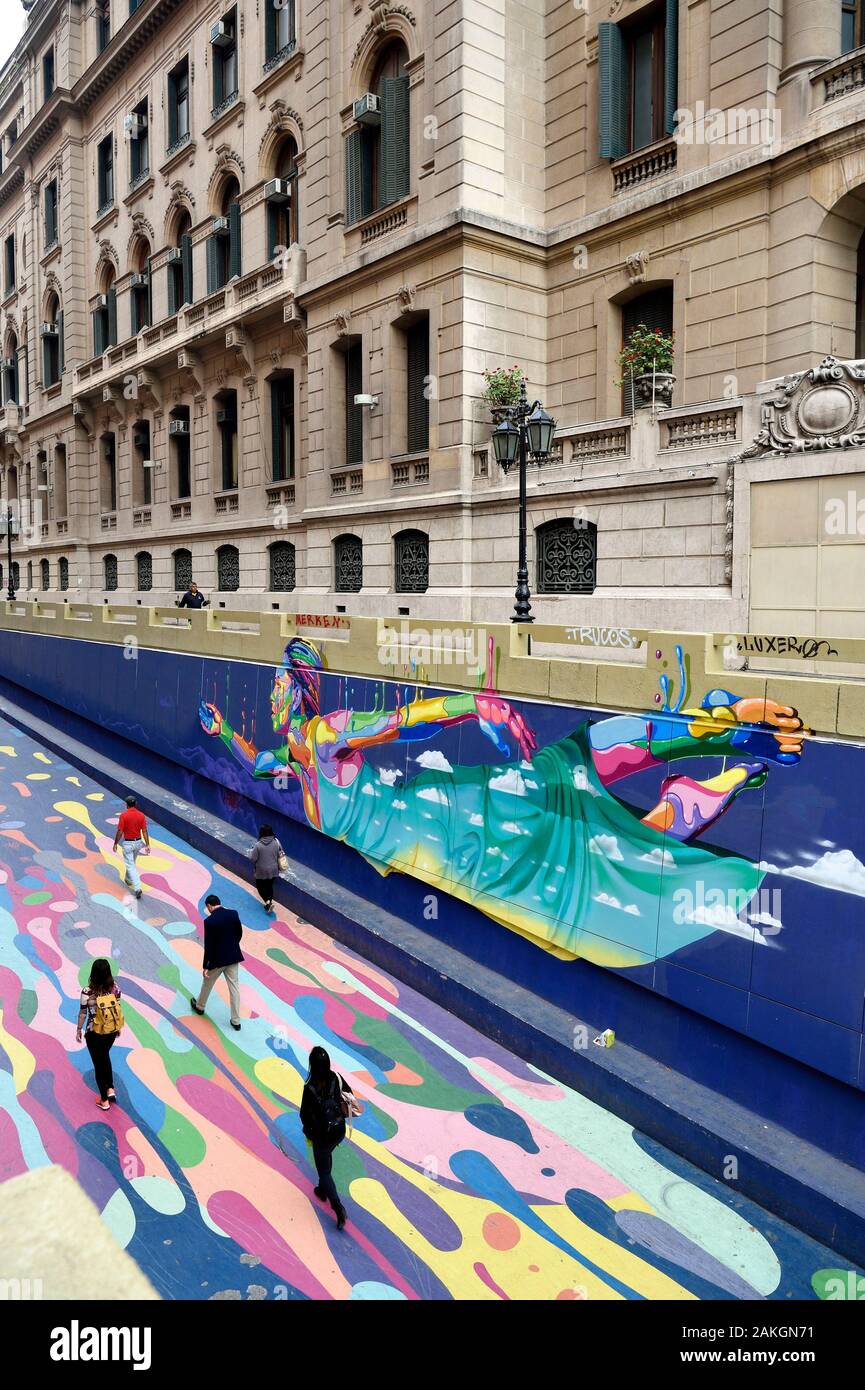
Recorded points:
(647,360)
(502,391)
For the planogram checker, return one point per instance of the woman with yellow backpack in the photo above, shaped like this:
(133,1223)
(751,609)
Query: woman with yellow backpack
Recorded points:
(100,1018)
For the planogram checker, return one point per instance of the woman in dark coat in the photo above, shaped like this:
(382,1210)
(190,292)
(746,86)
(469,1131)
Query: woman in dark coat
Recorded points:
(323,1118)
(265,861)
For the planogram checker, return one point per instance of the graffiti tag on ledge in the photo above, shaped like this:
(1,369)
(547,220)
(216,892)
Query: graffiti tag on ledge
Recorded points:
(602,637)
(320,620)
(806,647)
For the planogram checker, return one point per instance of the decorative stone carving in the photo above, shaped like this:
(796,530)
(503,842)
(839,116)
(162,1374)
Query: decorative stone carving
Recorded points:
(190,367)
(149,392)
(180,195)
(341,319)
(82,417)
(237,342)
(379,24)
(822,408)
(280,114)
(405,296)
(112,401)
(636,266)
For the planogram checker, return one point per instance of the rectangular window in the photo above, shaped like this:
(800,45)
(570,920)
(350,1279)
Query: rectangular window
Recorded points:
(50,213)
(280,31)
(105,323)
(353,413)
(10,381)
(226,423)
(654,309)
(47,74)
(637,80)
(139,143)
(178,103)
(108,490)
(141,316)
(103,24)
(9,264)
(224,51)
(180,444)
(282,421)
(851,25)
(105,168)
(417,383)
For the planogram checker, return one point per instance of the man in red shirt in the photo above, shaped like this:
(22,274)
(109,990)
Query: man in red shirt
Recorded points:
(132,831)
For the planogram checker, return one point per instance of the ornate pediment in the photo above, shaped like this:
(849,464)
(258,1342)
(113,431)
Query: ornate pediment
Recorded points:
(822,408)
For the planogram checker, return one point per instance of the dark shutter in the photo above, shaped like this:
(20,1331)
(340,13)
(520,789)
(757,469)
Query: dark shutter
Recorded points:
(172,109)
(353,413)
(173,306)
(612,92)
(671,64)
(61,346)
(149,293)
(98,343)
(234,256)
(274,238)
(276,470)
(270,32)
(417,371)
(358,180)
(212,264)
(394,163)
(112,317)
(294,215)
(655,310)
(186,249)
(218,75)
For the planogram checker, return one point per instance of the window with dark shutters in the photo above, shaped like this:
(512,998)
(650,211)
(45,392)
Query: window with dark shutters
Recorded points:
(234,257)
(214,264)
(282,427)
(186,250)
(394,160)
(353,413)
(111,296)
(637,80)
(358,176)
(655,310)
(417,373)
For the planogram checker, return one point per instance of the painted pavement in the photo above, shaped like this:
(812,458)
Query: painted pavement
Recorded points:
(470,1175)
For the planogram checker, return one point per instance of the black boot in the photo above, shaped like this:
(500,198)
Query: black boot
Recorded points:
(340,1216)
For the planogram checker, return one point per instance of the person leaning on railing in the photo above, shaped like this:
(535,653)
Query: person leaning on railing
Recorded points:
(193,598)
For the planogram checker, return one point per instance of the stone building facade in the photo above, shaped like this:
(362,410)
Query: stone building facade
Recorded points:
(222,221)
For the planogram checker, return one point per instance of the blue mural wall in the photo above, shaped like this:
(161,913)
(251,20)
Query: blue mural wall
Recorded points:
(778,958)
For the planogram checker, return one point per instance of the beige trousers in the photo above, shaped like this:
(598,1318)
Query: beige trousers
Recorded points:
(231,976)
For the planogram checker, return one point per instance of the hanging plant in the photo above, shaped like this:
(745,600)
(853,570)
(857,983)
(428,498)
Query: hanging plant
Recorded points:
(646,350)
(503,386)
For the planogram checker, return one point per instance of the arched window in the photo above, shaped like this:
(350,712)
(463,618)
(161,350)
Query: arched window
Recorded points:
(182,569)
(377,150)
(567,552)
(144,571)
(61,500)
(109,570)
(227,569)
(140,293)
(348,564)
(63,571)
(223,245)
(29,574)
(105,315)
(44,575)
(16,575)
(10,371)
(108,472)
(283,572)
(283,226)
(51,333)
(180,265)
(411,562)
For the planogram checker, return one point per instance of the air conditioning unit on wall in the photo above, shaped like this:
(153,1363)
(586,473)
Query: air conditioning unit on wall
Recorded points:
(367,109)
(134,124)
(178,427)
(140,280)
(277,191)
(221,35)
(175,256)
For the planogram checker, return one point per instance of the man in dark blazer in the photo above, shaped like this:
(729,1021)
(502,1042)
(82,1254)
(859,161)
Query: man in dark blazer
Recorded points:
(222,955)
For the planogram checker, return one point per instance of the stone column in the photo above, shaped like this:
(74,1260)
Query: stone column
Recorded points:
(812,34)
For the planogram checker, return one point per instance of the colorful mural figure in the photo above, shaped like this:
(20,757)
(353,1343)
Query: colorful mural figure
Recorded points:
(470,1174)
(544,845)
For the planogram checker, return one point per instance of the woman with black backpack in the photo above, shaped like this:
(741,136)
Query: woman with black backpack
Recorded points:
(101,1019)
(327,1102)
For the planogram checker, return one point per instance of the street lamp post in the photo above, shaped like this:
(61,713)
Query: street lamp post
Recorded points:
(527,429)
(10,589)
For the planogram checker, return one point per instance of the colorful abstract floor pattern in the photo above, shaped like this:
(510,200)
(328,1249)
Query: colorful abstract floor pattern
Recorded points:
(470,1175)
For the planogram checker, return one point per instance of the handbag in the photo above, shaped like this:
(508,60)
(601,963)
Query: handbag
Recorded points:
(282,860)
